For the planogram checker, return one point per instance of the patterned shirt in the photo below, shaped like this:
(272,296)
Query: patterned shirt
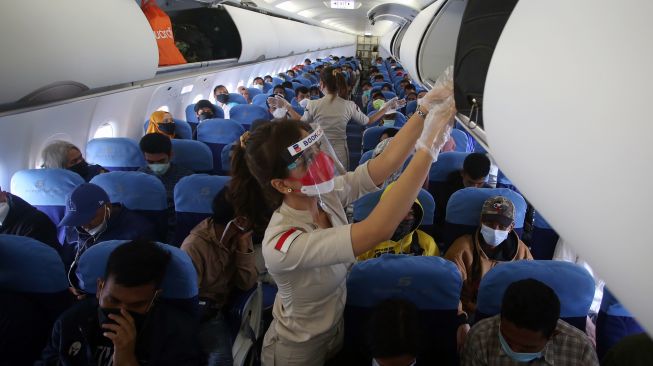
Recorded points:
(567,346)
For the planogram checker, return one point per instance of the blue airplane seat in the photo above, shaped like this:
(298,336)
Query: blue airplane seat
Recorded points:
(46,189)
(464,211)
(193,155)
(504,182)
(461,140)
(267,87)
(33,293)
(236,98)
(296,84)
(182,129)
(225,157)
(290,94)
(304,81)
(179,284)
(245,114)
(191,117)
(389,94)
(217,133)
(115,153)
(411,107)
(433,284)
(543,238)
(614,323)
(139,192)
(571,282)
(378,84)
(261,101)
(253,92)
(277,81)
(371,136)
(364,206)
(193,199)
(365,157)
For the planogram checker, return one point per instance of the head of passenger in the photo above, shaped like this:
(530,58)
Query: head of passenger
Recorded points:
(390,132)
(379,60)
(307,61)
(388,119)
(378,100)
(204,109)
(245,93)
(319,69)
(89,208)
(529,316)
(378,78)
(64,155)
(410,88)
(157,150)
(162,122)
(393,333)
(279,90)
(291,74)
(258,83)
(386,87)
(314,92)
(333,83)
(421,94)
(267,78)
(277,113)
(403,83)
(411,97)
(302,96)
(476,168)
(132,280)
(374,70)
(497,220)
(220,89)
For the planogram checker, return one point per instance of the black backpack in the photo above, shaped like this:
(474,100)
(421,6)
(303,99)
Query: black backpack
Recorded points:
(481,26)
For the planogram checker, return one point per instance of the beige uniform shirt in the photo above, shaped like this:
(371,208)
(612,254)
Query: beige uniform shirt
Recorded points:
(309,264)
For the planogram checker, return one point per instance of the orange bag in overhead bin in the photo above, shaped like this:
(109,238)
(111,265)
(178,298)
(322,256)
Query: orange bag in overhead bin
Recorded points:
(162,27)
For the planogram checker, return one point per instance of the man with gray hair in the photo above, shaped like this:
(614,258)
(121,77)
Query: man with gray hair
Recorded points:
(64,155)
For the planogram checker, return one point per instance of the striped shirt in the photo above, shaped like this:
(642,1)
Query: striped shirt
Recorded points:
(567,346)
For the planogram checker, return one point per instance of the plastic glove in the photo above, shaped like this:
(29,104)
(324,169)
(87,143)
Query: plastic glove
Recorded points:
(442,89)
(278,101)
(437,127)
(393,104)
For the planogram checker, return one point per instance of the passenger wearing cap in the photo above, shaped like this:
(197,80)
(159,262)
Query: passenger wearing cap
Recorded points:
(334,111)
(492,243)
(407,238)
(91,218)
(18,217)
(308,244)
(528,331)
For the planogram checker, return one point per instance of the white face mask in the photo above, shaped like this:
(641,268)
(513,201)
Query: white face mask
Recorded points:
(258,86)
(280,113)
(304,102)
(493,237)
(4,211)
(388,122)
(102,227)
(159,169)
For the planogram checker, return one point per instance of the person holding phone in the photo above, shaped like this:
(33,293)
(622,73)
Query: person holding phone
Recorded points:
(124,324)
(224,258)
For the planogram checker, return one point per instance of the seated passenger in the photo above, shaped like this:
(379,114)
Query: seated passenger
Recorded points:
(410,88)
(390,132)
(315,92)
(388,119)
(268,79)
(204,109)
(402,84)
(157,150)
(287,85)
(379,78)
(302,96)
(224,258)
(18,217)
(307,61)
(366,86)
(245,93)
(476,168)
(64,155)
(291,74)
(394,333)
(493,242)
(162,122)
(633,350)
(528,331)
(124,324)
(92,218)
(220,89)
(407,238)
(410,96)
(277,113)
(279,90)
(386,87)
(258,83)
(224,101)
(378,100)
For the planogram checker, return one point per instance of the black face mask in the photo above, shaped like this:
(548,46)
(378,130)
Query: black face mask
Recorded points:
(103,318)
(222,98)
(205,115)
(168,128)
(404,228)
(80,168)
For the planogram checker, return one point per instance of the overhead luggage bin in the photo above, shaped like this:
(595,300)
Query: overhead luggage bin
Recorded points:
(58,49)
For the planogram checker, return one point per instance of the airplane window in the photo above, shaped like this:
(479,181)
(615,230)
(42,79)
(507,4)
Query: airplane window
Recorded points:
(187,89)
(106,130)
(163,108)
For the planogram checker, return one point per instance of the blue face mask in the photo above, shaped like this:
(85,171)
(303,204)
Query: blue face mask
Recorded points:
(517,356)
(389,122)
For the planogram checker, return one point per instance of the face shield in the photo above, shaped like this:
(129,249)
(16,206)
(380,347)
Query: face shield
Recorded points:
(313,163)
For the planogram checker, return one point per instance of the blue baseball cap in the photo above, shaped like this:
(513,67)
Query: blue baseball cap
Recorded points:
(82,203)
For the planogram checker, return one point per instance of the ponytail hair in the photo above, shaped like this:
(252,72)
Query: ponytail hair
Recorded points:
(255,161)
(335,82)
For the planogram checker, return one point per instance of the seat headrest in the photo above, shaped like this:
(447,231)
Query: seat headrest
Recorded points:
(195,193)
(30,266)
(461,140)
(44,187)
(571,282)
(464,206)
(247,113)
(447,163)
(114,153)
(431,283)
(236,98)
(364,205)
(180,281)
(135,190)
(611,306)
(193,155)
(219,131)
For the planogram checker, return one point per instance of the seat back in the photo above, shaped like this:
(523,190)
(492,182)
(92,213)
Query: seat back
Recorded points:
(253,92)
(433,284)
(245,114)
(461,140)
(261,101)
(191,117)
(571,282)
(139,192)
(216,133)
(446,164)
(411,107)
(33,293)
(194,155)
(225,157)
(182,129)
(115,153)
(371,137)
(236,98)
(364,206)
(388,94)
(365,157)
(46,189)
(464,211)
(543,238)
(179,283)
(193,199)
(613,324)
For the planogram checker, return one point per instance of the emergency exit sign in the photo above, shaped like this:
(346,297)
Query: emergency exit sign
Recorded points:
(342,4)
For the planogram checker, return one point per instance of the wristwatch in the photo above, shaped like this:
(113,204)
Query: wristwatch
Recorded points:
(419,111)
